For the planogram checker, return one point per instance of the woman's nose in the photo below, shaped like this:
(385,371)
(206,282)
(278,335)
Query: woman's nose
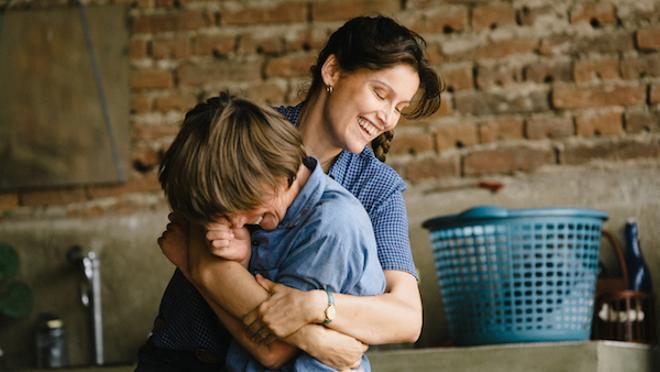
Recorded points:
(388,117)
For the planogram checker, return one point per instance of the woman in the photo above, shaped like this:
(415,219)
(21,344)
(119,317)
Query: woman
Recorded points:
(371,71)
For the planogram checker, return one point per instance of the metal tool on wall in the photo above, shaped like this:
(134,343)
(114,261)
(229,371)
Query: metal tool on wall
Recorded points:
(90,294)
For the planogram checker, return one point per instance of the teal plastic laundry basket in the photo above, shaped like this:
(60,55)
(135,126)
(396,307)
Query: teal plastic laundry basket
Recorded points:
(517,275)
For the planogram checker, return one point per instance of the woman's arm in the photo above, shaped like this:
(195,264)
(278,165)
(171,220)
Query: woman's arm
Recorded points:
(393,317)
(339,351)
(210,275)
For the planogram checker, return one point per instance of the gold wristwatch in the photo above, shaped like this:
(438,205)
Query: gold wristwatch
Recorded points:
(331,310)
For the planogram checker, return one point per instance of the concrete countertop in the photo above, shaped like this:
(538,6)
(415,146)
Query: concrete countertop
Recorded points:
(591,356)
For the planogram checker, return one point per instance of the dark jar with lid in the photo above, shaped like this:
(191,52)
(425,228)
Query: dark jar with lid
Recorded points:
(51,342)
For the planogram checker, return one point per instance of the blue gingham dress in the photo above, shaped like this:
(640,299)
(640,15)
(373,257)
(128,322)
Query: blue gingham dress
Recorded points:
(190,324)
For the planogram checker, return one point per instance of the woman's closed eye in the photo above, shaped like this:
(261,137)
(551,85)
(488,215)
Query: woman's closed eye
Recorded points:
(380,94)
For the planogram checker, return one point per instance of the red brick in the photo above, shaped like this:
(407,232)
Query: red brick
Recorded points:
(52,197)
(142,183)
(236,13)
(641,121)
(578,153)
(174,102)
(8,201)
(597,14)
(598,69)
(498,75)
(441,19)
(341,10)
(411,141)
(654,94)
(450,135)
(261,42)
(598,124)
(176,21)
(506,160)
(290,65)
(548,72)
(208,45)
(641,67)
(505,48)
(435,54)
(492,50)
(492,16)
(147,132)
(500,128)
(151,79)
(570,97)
(138,49)
(270,91)
(242,70)
(511,101)
(648,38)
(556,45)
(431,168)
(606,43)
(178,47)
(547,126)
(140,103)
(456,77)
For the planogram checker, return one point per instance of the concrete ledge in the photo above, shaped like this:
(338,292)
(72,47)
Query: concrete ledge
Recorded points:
(592,356)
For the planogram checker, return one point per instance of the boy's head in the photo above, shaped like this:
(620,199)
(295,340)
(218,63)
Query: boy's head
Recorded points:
(230,155)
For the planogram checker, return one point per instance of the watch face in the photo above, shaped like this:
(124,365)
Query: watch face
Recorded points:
(330,312)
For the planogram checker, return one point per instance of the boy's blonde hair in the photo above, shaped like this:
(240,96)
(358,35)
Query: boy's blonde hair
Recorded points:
(230,155)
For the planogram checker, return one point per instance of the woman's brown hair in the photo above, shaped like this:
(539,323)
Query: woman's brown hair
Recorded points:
(230,155)
(377,43)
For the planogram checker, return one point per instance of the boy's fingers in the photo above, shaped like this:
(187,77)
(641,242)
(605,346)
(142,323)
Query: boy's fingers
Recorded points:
(219,235)
(220,243)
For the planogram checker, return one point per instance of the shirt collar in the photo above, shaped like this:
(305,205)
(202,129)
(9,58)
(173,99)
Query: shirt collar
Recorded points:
(309,195)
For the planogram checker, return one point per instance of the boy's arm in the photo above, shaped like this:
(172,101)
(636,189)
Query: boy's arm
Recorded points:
(210,276)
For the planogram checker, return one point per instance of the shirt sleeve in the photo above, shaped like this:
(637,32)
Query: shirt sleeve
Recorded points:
(390,222)
(322,261)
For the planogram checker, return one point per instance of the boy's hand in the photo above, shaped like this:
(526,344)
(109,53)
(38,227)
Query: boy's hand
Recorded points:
(173,242)
(232,244)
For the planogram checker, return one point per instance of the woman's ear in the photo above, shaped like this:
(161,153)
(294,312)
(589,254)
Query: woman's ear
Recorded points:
(330,70)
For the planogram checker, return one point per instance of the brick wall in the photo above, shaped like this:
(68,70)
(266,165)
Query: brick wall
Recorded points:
(530,83)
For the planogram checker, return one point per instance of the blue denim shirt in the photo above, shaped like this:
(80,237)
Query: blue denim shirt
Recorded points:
(325,240)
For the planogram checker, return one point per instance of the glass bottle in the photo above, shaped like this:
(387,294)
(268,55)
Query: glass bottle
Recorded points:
(638,273)
(51,342)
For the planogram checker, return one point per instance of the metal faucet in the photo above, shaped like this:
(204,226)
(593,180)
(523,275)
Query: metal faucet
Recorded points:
(90,293)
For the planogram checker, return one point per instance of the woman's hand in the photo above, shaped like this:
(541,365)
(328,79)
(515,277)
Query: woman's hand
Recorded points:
(286,311)
(173,242)
(232,244)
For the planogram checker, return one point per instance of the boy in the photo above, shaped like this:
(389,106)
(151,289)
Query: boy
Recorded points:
(241,164)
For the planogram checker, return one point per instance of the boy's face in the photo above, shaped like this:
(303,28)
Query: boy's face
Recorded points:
(267,216)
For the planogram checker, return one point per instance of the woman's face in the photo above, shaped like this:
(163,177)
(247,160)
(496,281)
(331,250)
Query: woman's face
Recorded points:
(366,103)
